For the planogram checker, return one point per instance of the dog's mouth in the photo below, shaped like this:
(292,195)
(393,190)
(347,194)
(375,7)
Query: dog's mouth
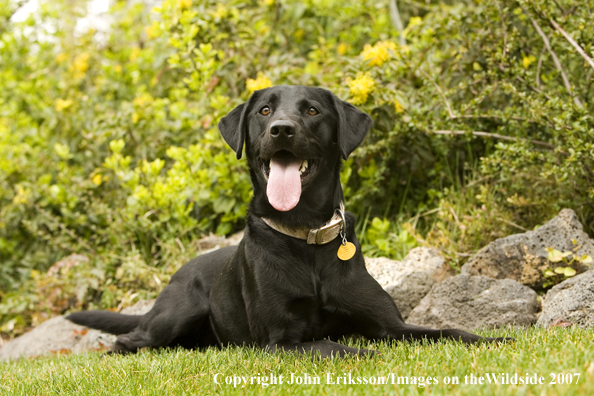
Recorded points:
(285,156)
(285,174)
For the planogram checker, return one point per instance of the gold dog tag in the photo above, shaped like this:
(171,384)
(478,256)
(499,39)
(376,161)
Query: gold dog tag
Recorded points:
(346,251)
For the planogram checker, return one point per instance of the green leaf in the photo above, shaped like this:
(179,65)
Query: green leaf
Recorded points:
(383,245)
(223,204)
(63,151)
(381,226)
(554,255)
(224,228)
(548,273)
(116,146)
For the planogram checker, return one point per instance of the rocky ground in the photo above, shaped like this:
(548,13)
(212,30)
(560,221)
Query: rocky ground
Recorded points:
(497,287)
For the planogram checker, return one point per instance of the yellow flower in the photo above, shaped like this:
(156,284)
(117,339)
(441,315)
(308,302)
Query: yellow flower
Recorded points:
(134,54)
(61,57)
(361,87)
(97,179)
(184,4)
(342,48)
(261,27)
(81,65)
(222,12)
(261,82)
(62,104)
(414,21)
(149,31)
(398,106)
(379,53)
(528,60)
(143,100)
(153,30)
(264,29)
(21,196)
(298,35)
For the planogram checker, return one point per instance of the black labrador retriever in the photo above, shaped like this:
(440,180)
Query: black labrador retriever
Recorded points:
(297,280)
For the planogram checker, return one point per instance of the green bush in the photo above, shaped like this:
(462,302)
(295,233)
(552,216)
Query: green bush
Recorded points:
(109,146)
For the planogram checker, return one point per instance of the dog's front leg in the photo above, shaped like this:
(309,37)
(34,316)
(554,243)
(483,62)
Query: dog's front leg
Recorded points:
(325,348)
(375,315)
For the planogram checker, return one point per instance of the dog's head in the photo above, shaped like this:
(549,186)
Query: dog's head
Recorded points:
(295,137)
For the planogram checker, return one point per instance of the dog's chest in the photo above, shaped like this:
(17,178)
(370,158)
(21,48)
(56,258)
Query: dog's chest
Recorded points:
(286,290)
(298,304)
(305,280)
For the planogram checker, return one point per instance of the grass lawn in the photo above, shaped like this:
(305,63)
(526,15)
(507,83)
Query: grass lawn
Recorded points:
(557,355)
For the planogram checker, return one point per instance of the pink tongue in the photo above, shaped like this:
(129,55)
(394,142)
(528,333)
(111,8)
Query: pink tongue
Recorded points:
(284,183)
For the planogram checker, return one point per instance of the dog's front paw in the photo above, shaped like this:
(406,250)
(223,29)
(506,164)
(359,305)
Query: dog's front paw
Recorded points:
(368,352)
(119,349)
(116,352)
(348,351)
(499,339)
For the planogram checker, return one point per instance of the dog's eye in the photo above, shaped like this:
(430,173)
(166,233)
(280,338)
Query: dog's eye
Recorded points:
(265,110)
(313,111)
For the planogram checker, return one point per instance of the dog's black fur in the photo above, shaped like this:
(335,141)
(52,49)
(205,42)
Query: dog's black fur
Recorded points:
(273,290)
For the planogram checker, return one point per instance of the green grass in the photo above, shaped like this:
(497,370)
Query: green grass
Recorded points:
(167,372)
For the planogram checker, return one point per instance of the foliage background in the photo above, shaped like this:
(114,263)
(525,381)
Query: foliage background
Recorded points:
(109,146)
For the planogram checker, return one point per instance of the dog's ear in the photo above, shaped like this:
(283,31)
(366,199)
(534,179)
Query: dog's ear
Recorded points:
(233,126)
(353,125)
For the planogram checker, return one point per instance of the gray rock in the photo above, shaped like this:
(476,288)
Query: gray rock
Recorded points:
(55,335)
(213,242)
(140,308)
(410,280)
(58,335)
(570,301)
(472,302)
(523,257)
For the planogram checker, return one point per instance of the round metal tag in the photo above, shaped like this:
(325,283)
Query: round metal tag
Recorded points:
(346,251)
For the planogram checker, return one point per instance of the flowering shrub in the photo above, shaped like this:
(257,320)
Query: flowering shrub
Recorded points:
(261,82)
(379,53)
(360,88)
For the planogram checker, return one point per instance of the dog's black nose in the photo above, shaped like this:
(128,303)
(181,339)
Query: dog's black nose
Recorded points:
(282,128)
